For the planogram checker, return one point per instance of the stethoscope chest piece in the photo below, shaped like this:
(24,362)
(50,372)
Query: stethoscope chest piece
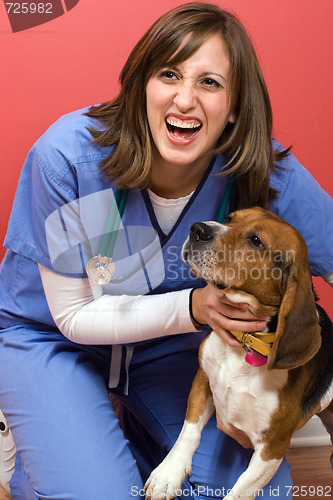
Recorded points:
(100,269)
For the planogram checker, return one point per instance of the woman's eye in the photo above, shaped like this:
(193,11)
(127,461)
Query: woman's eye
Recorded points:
(210,82)
(168,75)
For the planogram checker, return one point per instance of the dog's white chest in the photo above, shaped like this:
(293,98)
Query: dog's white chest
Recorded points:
(244,396)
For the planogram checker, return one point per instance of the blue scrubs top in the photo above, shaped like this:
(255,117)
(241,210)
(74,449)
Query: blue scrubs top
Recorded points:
(60,213)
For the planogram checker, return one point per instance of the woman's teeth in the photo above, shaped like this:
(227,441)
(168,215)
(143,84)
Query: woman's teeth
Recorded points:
(182,124)
(182,129)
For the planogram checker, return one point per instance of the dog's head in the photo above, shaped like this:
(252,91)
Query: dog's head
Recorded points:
(256,257)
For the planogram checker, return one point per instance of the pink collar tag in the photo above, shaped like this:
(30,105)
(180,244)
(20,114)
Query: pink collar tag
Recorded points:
(253,358)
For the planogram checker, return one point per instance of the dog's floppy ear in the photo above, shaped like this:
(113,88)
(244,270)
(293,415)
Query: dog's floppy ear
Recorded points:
(298,332)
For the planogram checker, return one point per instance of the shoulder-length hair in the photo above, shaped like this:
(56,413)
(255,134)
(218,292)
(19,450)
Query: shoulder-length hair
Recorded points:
(172,39)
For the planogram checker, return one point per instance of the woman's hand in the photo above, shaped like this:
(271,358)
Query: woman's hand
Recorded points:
(235,433)
(211,307)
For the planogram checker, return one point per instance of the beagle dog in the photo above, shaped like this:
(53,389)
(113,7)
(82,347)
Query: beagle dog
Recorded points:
(283,377)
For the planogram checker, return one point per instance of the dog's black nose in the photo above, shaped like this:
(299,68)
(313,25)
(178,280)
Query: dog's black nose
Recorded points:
(201,232)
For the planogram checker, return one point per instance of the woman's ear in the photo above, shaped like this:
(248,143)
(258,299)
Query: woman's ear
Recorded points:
(232,117)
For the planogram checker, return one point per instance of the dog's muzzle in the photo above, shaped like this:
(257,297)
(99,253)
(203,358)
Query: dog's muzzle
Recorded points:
(201,235)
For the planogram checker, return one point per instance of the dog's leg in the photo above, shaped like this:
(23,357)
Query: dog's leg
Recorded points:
(326,417)
(165,481)
(257,475)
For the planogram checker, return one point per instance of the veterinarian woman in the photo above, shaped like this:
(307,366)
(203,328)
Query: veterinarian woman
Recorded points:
(193,104)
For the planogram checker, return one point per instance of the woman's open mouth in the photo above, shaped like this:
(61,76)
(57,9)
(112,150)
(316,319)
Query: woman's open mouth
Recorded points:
(182,131)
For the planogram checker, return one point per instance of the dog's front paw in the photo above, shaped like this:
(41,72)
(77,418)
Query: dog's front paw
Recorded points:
(165,481)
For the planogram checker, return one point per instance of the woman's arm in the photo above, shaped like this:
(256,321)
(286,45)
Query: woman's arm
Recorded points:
(84,315)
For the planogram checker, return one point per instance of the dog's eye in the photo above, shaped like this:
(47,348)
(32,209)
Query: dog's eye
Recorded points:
(255,241)
(227,219)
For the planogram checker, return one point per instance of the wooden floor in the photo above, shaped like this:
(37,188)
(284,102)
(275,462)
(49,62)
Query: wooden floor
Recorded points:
(310,470)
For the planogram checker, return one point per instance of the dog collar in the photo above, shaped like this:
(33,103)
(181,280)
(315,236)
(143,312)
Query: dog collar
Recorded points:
(258,341)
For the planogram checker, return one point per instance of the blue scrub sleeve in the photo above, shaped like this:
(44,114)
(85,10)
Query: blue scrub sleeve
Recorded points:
(39,193)
(305,205)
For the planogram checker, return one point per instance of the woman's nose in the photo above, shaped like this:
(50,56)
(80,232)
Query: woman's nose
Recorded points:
(185,98)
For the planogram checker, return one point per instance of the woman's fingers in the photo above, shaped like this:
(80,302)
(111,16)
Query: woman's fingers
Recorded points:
(220,322)
(213,308)
(226,316)
(234,310)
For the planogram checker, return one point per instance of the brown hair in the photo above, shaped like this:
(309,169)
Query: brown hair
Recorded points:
(247,143)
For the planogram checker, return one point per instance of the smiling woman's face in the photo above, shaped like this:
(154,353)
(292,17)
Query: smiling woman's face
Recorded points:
(188,106)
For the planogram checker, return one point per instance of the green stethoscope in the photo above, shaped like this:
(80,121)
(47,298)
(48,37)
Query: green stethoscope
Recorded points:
(101,268)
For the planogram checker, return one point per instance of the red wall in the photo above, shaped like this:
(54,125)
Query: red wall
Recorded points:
(74,61)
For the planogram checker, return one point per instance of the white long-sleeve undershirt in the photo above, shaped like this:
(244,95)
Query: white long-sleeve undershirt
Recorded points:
(84,315)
